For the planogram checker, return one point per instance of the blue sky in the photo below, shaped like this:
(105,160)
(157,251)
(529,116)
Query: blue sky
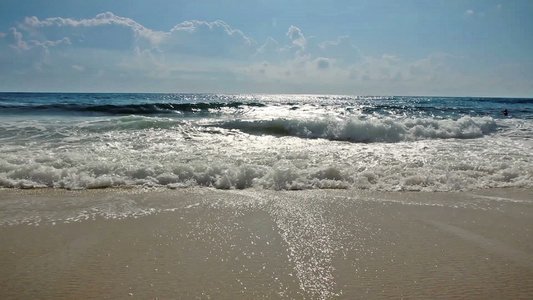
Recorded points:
(361,47)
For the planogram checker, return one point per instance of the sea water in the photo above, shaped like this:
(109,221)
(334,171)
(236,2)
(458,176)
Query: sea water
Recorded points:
(277,142)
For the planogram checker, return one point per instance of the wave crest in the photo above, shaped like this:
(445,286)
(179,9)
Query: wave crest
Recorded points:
(130,109)
(370,130)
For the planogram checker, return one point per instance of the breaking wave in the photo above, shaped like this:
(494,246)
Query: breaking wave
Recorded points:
(370,130)
(84,171)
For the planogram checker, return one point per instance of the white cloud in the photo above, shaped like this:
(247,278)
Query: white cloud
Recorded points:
(110,50)
(208,39)
(388,74)
(14,39)
(105,31)
(274,52)
(108,31)
(191,39)
(297,38)
(29,53)
(308,51)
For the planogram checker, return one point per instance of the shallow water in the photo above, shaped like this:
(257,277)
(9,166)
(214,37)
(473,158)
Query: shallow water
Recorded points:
(316,244)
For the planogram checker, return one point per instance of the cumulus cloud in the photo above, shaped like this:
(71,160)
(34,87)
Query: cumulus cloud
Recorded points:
(342,52)
(108,48)
(111,32)
(208,38)
(297,38)
(105,31)
(14,39)
(30,53)
(195,38)
(275,52)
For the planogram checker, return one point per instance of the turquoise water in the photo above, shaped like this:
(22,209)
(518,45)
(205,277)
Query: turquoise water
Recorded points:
(66,140)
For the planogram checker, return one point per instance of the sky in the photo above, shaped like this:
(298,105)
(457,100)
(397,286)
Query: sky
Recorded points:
(355,47)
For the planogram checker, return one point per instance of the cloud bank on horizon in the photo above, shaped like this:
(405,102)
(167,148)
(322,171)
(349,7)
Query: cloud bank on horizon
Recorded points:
(109,52)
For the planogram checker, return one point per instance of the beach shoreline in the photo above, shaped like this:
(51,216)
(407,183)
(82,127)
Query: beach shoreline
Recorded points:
(203,243)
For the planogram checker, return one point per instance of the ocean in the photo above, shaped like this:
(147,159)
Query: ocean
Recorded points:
(273,142)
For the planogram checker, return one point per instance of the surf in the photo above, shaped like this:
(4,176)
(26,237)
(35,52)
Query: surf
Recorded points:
(369,130)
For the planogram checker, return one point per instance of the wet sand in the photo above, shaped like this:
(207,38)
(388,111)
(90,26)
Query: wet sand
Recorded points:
(255,244)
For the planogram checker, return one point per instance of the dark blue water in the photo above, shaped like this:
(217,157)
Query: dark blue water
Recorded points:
(99,104)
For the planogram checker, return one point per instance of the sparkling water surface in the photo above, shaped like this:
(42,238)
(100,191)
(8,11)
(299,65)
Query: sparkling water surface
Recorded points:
(278,142)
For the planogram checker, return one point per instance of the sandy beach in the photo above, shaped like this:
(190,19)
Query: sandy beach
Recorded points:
(202,243)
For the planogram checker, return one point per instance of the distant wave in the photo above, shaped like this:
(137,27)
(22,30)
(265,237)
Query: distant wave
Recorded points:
(370,130)
(506,100)
(130,109)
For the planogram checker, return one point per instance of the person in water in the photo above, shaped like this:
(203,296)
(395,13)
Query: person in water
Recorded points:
(505,112)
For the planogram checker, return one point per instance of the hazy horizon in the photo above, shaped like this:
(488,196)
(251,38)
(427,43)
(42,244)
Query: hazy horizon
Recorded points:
(258,94)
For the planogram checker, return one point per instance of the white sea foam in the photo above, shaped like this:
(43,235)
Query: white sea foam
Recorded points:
(368,129)
(181,156)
